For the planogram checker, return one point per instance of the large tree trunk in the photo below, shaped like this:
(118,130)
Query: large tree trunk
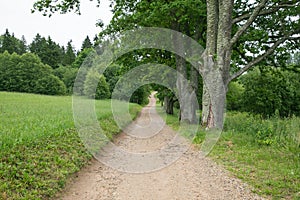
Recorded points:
(169,105)
(214,97)
(194,101)
(205,106)
(186,95)
(185,92)
(216,62)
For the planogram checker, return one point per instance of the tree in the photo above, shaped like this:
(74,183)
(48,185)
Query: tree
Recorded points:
(231,25)
(67,74)
(48,51)
(172,15)
(256,30)
(83,58)
(96,40)
(7,43)
(86,44)
(54,54)
(69,56)
(23,45)
(50,85)
(278,91)
(102,89)
(234,96)
(112,74)
(12,44)
(26,73)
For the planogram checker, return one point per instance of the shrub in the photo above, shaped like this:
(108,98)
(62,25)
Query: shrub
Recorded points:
(27,73)
(50,85)
(270,90)
(93,78)
(67,74)
(234,96)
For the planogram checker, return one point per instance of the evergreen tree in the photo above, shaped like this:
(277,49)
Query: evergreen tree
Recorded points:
(54,54)
(7,43)
(23,46)
(86,43)
(11,44)
(96,40)
(48,51)
(69,56)
(38,46)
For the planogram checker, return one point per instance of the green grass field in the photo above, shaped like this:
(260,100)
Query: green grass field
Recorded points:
(263,153)
(40,147)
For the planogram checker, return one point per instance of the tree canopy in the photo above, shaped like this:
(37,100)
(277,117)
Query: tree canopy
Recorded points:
(237,35)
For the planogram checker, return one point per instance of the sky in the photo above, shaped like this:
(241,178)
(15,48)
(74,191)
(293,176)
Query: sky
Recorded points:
(16,16)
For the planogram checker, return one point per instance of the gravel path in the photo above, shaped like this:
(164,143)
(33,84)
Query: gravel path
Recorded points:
(189,177)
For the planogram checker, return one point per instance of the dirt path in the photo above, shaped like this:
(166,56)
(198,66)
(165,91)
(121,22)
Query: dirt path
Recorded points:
(190,177)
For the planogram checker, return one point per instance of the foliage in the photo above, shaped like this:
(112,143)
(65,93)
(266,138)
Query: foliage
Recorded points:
(62,6)
(112,75)
(67,74)
(50,85)
(95,86)
(48,51)
(234,96)
(278,91)
(8,42)
(140,96)
(86,43)
(27,73)
(83,58)
(262,152)
(69,54)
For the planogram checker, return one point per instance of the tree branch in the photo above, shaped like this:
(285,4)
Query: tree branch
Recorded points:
(251,19)
(259,58)
(262,12)
(294,38)
(241,54)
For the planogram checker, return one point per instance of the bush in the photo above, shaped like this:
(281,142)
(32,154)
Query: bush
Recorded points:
(234,96)
(27,73)
(68,75)
(93,78)
(50,85)
(269,90)
(140,96)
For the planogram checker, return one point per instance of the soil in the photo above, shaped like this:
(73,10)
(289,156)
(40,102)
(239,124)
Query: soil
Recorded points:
(188,177)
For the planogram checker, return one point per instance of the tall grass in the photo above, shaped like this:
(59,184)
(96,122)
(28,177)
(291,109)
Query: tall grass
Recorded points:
(39,145)
(273,131)
(263,152)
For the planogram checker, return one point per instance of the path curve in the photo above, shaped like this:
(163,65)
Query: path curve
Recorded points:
(191,177)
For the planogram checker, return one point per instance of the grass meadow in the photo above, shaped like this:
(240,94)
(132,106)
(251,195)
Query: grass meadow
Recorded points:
(40,147)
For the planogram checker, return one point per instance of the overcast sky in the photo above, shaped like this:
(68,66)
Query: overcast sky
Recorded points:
(17,17)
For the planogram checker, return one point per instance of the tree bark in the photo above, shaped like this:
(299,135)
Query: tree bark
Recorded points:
(169,105)
(185,92)
(216,62)
(194,101)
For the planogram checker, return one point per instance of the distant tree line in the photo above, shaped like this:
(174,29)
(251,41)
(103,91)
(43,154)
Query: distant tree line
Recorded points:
(45,67)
